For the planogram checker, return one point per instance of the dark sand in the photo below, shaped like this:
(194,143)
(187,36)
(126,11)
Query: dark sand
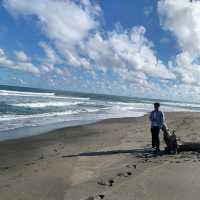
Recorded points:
(106,160)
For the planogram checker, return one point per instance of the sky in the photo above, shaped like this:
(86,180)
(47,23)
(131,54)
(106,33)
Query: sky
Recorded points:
(144,48)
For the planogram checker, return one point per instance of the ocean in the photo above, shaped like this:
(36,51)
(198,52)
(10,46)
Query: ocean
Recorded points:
(28,111)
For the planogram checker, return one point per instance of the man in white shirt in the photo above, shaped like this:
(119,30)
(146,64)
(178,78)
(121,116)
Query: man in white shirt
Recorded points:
(157,119)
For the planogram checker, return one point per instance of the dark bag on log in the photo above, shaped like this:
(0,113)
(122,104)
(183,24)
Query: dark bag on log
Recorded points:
(170,139)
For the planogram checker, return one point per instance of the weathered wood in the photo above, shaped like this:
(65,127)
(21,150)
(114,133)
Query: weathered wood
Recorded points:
(188,146)
(170,139)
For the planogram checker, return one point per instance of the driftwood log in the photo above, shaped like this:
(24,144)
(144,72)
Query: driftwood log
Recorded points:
(174,146)
(169,137)
(188,146)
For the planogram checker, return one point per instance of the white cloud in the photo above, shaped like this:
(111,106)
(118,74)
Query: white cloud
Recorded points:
(12,64)
(67,23)
(181,18)
(69,27)
(78,40)
(51,59)
(21,56)
(27,67)
(129,49)
(64,73)
(64,21)
(4,61)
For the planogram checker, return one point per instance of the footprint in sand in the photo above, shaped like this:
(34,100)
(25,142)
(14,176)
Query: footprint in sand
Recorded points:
(109,183)
(5,168)
(30,163)
(90,198)
(186,160)
(100,196)
(41,157)
(131,166)
(129,173)
(124,174)
(55,150)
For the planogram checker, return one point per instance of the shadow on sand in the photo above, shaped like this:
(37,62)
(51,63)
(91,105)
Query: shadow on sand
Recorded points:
(146,152)
(137,152)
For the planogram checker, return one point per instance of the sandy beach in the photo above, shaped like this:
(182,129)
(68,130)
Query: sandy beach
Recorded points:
(108,160)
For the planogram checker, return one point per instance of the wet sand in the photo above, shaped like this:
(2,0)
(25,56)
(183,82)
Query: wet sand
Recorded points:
(106,160)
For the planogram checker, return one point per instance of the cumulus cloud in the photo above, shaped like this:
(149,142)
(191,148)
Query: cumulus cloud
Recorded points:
(21,56)
(24,65)
(181,18)
(70,27)
(64,21)
(4,61)
(51,58)
(27,67)
(128,49)
(78,40)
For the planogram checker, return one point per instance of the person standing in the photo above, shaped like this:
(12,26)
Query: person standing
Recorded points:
(157,119)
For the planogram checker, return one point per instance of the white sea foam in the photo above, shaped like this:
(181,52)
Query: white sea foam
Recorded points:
(165,106)
(37,94)
(43,115)
(19,93)
(181,104)
(46,104)
(77,98)
(19,117)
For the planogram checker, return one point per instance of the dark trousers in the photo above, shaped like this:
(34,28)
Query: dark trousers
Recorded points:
(155,137)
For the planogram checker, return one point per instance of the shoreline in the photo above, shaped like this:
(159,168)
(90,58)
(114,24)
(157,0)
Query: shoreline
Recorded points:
(20,133)
(78,162)
(35,131)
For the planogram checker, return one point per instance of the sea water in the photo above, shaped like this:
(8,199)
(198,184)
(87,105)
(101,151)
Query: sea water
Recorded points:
(37,110)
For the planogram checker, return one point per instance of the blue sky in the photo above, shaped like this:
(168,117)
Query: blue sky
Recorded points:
(145,48)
